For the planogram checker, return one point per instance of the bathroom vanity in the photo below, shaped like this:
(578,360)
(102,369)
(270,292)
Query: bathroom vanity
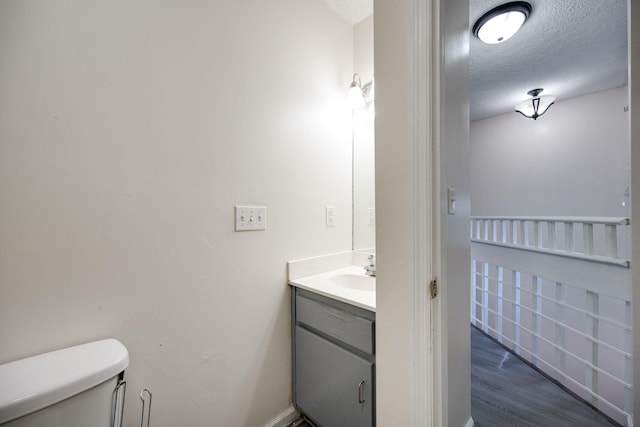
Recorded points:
(333,340)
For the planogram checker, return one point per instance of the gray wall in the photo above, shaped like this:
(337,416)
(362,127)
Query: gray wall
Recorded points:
(574,160)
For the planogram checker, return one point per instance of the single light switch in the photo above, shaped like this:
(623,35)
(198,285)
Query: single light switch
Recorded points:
(371,220)
(330,216)
(451,201)
(251,218)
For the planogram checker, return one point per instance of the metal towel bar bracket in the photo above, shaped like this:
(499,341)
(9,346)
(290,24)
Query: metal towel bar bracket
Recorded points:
(142,393)
(118,402)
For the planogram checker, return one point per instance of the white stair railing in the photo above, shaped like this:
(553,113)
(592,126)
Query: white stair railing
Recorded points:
(598,235)
(556,291)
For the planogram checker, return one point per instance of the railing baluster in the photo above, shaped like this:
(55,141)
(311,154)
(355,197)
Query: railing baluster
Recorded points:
(560,338)
(524,233)
(516,310)
(536,240)
(628,362)
(485,297)
(551,233)
(474,282)
(536,320)
(505,232)
(569,245)
(591,375)
(612,240)
(500,272)
(587,231)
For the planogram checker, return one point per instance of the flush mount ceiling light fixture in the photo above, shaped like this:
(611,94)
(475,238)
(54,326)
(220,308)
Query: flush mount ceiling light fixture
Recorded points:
(537,105)
(502,22)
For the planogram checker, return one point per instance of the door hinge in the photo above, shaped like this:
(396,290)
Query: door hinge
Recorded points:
(433,288)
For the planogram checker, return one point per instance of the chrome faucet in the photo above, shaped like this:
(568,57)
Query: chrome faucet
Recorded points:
(370,270)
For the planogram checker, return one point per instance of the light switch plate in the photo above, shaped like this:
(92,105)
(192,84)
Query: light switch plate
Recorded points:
(330,216)
(451,201)
(371,220)
(251,218)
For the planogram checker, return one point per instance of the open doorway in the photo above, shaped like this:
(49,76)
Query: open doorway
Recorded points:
(550,198)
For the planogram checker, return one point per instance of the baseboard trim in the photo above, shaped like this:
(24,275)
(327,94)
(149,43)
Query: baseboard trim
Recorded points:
(284,418)
(470,423)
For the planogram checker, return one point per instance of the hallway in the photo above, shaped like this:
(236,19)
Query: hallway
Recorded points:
(507,392)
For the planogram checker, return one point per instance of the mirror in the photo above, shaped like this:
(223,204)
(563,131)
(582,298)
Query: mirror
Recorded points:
(364,231)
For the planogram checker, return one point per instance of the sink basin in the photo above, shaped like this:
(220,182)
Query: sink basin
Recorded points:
(358,282)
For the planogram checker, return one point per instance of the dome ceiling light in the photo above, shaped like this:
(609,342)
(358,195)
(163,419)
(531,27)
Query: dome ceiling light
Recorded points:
(537,105)
(502,22)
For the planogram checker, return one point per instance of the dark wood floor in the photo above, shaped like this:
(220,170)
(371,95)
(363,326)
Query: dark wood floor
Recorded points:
(507,392)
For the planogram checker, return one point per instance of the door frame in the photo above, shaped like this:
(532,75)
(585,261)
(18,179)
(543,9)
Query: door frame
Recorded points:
(416,43)
(633,15)
(409,46)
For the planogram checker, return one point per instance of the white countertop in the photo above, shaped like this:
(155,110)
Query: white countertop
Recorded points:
(323,284)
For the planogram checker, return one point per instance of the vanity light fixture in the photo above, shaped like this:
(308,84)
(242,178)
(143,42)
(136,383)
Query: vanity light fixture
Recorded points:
(367,92)
(502,22)
(537,105)
(356,99)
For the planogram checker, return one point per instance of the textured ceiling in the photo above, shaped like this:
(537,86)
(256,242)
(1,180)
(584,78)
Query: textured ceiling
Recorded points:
(568,47)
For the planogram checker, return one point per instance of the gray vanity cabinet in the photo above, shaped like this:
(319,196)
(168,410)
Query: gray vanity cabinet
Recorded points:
(334,361)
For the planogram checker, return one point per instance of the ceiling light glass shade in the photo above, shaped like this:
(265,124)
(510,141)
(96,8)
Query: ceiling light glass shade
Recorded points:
(501,28)
(499,24)
(536,106)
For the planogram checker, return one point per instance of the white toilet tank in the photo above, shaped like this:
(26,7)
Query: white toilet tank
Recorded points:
(72,387)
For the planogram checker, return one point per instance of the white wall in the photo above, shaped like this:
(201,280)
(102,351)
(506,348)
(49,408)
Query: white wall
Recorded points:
(574,160)
(394,239)
(128,131)
(363,49)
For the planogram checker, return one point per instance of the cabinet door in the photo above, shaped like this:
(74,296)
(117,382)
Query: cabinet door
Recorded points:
(333,386)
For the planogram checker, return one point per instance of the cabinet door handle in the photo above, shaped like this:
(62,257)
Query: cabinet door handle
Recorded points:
(361,392)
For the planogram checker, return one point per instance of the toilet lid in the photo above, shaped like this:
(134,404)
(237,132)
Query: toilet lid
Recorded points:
(31,384)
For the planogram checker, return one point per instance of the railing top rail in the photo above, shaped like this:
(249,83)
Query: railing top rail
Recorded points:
(606,220)
(601,259)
